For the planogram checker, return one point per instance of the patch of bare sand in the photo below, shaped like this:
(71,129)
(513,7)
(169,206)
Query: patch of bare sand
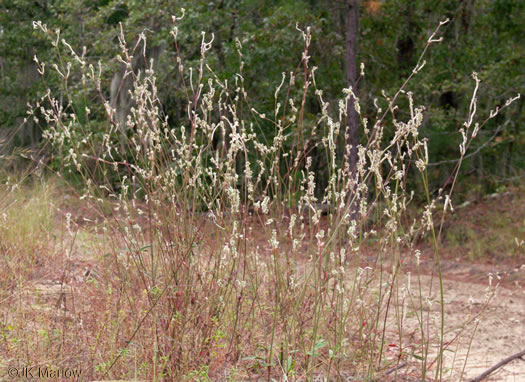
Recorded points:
(500,330)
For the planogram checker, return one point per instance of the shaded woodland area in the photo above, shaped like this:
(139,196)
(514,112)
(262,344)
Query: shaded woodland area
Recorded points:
(482,36)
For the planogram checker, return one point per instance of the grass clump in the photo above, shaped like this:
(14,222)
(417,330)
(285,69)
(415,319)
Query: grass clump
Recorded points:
(26,222)
(490,230)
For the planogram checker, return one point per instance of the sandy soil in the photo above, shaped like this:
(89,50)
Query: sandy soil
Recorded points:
(500,331)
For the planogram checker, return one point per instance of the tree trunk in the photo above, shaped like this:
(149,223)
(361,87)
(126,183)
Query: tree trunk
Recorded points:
(352,132)
(405,44)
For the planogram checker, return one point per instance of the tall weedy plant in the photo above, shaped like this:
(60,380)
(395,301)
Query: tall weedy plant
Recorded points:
(227,259)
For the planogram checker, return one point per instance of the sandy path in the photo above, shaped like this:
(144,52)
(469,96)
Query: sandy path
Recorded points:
(500,332)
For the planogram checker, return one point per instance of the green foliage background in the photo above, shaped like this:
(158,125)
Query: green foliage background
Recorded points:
(483,36)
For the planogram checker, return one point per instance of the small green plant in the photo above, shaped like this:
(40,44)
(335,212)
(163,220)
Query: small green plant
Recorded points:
(200,375)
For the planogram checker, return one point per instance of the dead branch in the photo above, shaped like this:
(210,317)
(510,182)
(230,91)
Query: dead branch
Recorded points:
(391,370)
(497,366)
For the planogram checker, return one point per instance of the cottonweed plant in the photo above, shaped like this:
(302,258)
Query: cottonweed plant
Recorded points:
(228,259)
